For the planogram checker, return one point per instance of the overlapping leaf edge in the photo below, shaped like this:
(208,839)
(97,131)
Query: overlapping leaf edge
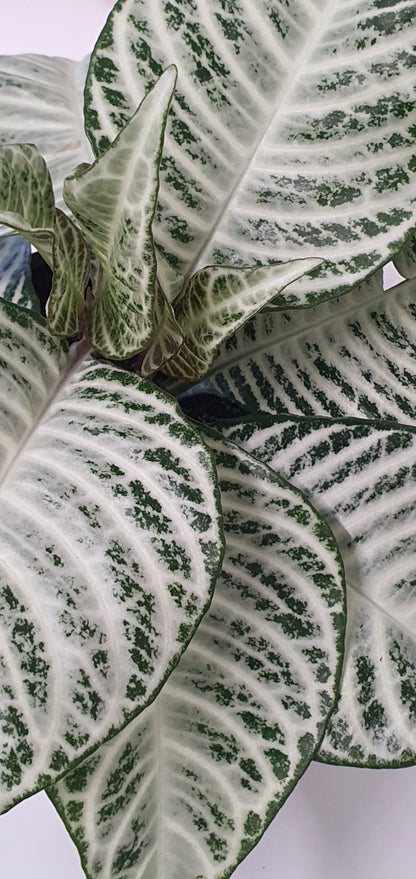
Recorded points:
(254,827)
(24,319)
(348,357)
(227,58)
(41,103)
(248,424)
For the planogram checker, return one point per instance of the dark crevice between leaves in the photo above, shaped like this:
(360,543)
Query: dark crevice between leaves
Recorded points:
(41,280)
(206,407)
(209,408)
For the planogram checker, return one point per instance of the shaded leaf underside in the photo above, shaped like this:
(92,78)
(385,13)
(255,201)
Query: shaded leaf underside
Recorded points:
(26,196)
(27,205)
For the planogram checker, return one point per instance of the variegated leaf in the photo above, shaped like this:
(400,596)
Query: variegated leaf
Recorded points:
(170,280)
(71,269)
(217,301)
(166,337)
(361,476)
(27,202)
(27,205)
(187,789)
(110,544)
(41,103)
(15,277)
(114,201)
(292,132)
(405,260)
(350,356)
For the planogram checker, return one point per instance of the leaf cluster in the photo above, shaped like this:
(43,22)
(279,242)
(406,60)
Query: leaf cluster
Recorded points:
(190,613)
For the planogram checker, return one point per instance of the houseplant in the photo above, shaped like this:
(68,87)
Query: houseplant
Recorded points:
(269,324)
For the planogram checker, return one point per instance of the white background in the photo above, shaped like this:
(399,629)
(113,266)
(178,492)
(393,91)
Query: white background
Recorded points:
(339,823)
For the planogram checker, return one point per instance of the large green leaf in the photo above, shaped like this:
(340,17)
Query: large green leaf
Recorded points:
(114,201)
(361,476)
(187,789)
(41,103)
(15,276)
(291,134)
(110,544)
(350,356)
(217,301)
(27,206)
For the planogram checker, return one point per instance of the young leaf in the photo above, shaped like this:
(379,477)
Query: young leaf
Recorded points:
(350,356)
(170,280)
(362,477)
(27,205)
(166,338)
(114,201)
(71,269)
(291,133)
(40,103)
(187,789)
(110,544)
(15,277)
(217,301)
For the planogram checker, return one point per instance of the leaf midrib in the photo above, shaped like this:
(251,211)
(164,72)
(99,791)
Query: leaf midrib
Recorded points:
(78,354)
(286,89)
(151,116)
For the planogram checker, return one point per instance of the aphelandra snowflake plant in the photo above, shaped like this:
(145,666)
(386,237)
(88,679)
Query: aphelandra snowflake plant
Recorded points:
(173,645)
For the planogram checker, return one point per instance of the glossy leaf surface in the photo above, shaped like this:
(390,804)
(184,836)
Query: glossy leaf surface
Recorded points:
(353,356)
(189,786)
(292,131)
(110,543)
(362,477)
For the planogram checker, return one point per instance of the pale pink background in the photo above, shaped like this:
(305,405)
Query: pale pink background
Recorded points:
(338,823)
